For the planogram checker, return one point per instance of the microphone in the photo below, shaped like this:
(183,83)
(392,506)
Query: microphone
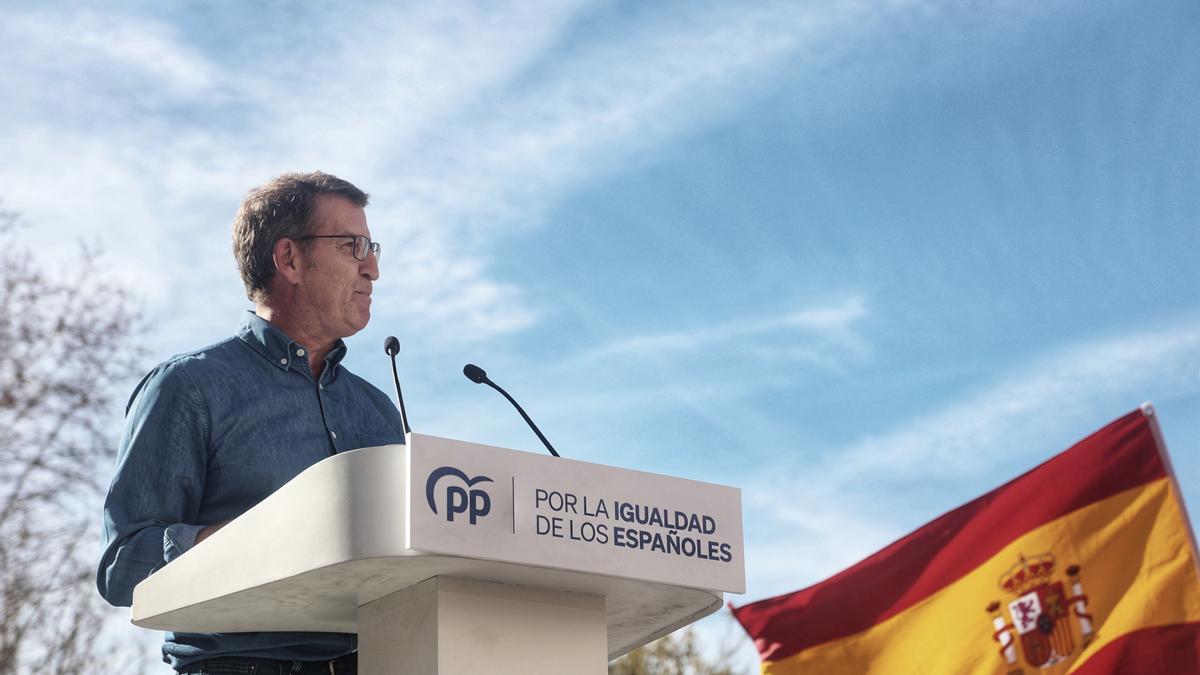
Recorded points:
(392,346)
(477,375)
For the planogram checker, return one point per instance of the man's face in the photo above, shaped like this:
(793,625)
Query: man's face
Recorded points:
(336,287)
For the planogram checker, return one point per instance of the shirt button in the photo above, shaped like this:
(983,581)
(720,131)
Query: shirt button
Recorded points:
(299,352)
(283,361)
(334,434)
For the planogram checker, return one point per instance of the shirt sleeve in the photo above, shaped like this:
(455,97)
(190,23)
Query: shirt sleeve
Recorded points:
(152,504)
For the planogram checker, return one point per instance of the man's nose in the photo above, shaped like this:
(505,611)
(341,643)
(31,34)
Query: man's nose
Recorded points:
(369,268)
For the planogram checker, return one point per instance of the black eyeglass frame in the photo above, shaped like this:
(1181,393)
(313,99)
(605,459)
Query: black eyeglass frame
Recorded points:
(369,247)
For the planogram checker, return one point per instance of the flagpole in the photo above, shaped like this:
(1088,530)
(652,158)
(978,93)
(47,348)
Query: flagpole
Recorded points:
(1148,410)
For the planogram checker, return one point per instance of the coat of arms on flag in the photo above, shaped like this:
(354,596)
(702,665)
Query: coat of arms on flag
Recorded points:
(1043,616)
(1108,507)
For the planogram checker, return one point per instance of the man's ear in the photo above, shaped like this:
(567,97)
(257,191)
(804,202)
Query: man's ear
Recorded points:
(289,262)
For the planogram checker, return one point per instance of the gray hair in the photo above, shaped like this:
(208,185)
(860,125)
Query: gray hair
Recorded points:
(280,209)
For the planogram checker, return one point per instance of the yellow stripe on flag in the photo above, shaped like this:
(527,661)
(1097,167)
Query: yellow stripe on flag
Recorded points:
(1136,569)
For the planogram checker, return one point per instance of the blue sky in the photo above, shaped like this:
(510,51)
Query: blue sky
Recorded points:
(863,260)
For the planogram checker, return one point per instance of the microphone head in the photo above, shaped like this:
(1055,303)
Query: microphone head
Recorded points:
(474,373)
(391,345)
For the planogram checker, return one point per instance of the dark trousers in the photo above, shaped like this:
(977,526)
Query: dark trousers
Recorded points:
(236,665)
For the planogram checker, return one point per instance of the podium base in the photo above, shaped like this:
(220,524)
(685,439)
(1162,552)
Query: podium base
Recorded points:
(451,626)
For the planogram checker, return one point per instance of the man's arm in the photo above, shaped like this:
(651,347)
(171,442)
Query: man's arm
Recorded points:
(152,504)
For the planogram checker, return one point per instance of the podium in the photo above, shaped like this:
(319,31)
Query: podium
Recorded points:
(450,557)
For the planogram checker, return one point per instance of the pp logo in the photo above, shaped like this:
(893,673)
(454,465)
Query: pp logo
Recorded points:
(474,502)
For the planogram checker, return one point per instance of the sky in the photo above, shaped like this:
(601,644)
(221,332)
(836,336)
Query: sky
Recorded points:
(863,260)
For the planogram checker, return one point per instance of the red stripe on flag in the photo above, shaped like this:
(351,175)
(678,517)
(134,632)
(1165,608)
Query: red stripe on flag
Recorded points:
(1173,649)
(1120,456)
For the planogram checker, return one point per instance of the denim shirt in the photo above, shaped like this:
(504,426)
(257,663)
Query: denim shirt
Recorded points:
(208,435)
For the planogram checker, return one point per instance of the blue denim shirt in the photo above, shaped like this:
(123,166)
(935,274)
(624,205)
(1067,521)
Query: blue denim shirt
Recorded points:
(210,434)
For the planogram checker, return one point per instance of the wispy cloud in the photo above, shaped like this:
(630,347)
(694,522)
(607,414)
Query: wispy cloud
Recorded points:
(467,124)
(1037,409)
(826,333)
(56,54)
(716,371)
(722,360)
(1051,393)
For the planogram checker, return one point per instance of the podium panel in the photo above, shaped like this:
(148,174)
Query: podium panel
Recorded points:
(658,552)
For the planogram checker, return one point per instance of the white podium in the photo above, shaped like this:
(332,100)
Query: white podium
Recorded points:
(449,557)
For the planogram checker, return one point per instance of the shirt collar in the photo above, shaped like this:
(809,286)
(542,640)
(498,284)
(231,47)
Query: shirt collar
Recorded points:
(275,346)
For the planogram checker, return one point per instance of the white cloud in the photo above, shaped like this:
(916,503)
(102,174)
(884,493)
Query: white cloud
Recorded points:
(148,47)
(800,334)
(1036,410)
(466,123)
(89,51)
(1054,392)
(593,104)
(591,401)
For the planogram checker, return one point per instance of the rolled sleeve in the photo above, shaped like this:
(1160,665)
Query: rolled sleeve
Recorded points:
(179,538)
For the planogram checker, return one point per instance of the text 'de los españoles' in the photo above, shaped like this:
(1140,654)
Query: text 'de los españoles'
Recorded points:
(625,524)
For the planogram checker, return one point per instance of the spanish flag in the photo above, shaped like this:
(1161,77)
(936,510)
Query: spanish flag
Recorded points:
(1087,564)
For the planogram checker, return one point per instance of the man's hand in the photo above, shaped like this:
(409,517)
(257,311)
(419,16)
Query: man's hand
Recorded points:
(207,532)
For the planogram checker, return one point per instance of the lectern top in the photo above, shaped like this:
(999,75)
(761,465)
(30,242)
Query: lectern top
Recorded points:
(363,524)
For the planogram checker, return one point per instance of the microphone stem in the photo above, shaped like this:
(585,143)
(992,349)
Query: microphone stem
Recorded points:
(399,396)
(527,420)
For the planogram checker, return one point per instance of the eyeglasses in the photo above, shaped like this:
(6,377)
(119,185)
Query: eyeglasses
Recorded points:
(362,245)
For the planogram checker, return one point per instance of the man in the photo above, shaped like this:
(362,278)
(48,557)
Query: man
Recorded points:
(210,433)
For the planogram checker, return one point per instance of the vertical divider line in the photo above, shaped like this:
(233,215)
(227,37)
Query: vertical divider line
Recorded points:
(514,504)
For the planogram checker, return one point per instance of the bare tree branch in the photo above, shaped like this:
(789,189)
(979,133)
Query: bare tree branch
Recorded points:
(65,340)
(676,654)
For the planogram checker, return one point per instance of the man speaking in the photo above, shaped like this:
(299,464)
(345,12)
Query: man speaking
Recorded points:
(210,433)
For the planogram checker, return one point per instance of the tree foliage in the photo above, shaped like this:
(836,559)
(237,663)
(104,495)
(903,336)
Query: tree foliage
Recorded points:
(678,653)
(65,341)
